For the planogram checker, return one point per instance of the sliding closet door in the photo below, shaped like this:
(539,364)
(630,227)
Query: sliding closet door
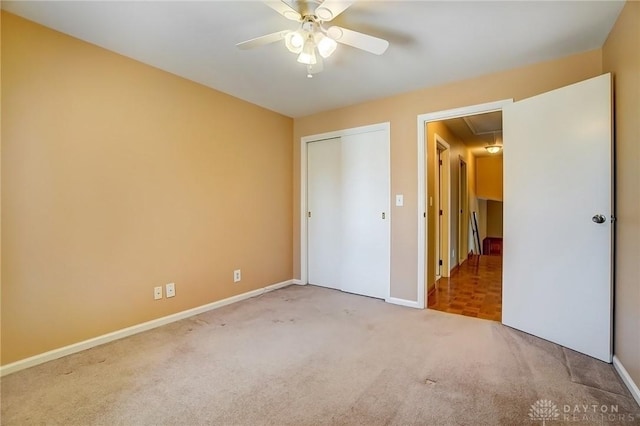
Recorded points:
(348,221)
(365,214)
(324,175)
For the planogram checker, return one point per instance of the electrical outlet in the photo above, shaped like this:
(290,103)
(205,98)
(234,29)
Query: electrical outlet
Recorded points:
(170,290)
(157,293)
(237,276)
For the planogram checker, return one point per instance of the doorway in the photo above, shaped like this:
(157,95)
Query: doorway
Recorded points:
(426,211)
(470,286)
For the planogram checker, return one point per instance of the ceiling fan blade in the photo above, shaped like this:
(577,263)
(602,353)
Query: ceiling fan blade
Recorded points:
(284,9)
(362,41)
(261,41)
(329,9)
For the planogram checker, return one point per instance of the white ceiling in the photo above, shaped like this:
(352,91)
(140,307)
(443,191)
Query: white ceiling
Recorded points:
(431,43)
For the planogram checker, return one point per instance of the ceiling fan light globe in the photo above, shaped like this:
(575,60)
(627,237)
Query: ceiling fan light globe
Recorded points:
(493,149)
(308,54)
(294,42)
(326,46)
(307,59)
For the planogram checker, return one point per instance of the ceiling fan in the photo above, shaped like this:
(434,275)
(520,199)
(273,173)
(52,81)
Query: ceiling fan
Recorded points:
(312,41)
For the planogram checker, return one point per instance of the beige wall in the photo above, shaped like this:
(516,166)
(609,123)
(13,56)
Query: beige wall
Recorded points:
(0,193)
(489,177)
(494,218)
(402,111)
(621,56)
(118,177)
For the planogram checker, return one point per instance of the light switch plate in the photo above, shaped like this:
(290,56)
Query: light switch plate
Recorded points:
(399,200)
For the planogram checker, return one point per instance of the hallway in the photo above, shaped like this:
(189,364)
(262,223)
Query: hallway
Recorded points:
(474,289)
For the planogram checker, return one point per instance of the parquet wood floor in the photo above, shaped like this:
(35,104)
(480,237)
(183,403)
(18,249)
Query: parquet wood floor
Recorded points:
(474,289)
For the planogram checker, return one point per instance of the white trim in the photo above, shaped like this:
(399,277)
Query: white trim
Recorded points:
(135,329)
(298,282)
(463,204)
(626,378)
(422,177)
(445,156)
(403,302)
(386,126)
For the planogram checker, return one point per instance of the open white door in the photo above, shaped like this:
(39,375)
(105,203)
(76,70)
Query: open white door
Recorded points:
(557,269)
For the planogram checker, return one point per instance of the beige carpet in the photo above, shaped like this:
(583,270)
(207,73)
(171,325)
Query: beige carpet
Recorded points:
(307,356)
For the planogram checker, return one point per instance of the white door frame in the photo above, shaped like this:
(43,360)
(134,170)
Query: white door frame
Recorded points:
(423,119)
(463,206)
(304,275)
(444,204)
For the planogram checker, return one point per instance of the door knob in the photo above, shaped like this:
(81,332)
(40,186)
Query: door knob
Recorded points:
(599,218)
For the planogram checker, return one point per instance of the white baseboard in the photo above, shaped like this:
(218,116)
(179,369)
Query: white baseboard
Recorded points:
(626,378)
(404,302)
(298,282)
(135,329)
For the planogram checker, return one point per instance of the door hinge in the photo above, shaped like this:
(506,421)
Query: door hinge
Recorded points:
(440,262)
(308,214)
(441,162)
(383,215)
(424,214)
(440,212)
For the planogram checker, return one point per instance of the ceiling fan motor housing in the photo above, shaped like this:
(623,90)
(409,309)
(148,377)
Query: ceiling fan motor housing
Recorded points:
(310,25)
(305,7)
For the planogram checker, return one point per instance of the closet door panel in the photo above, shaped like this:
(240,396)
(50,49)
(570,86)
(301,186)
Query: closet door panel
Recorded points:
(365,214)
(324,176)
